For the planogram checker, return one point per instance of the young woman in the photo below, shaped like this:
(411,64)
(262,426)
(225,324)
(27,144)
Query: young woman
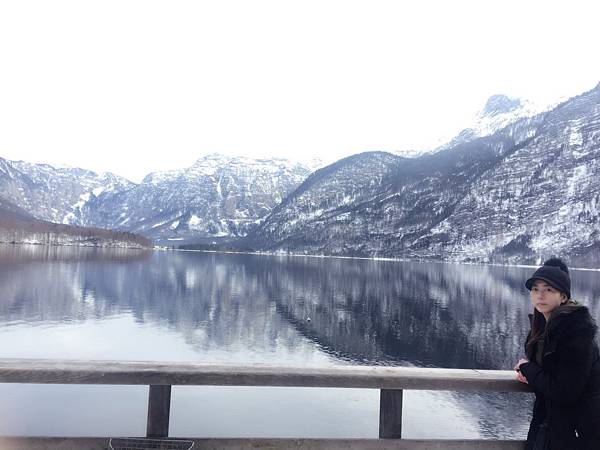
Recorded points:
(562,365)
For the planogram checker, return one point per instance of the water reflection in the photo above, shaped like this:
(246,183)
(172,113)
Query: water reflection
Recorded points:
(86,303)
(363,311)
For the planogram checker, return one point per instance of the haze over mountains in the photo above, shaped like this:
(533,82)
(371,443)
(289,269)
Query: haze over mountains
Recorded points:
(517,185)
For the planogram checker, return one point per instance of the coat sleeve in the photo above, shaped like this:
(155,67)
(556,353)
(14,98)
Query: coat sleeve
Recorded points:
(565,384)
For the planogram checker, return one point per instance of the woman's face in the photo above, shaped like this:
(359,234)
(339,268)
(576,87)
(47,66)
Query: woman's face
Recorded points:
(546,298)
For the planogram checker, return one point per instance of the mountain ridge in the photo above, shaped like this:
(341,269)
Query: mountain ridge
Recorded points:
(436,202)
(464,202)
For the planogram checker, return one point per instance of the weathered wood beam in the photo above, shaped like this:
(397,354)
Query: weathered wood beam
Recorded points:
(59,443)
(177,373)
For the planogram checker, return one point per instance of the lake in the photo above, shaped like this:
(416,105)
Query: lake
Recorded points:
(82,303)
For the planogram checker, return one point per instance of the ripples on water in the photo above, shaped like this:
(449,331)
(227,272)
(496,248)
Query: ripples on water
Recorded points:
(299,311)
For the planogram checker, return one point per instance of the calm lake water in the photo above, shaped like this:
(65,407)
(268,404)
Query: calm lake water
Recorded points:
(77,303)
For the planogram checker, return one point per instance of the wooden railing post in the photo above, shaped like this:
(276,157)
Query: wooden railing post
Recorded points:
(390,414)
(159,407)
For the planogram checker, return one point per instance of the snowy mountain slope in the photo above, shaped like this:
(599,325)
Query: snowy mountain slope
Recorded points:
(218,197)
(50,193)
(528,189)
(17,226)
(312,215)
(499,112)
(377,203)
(544,198)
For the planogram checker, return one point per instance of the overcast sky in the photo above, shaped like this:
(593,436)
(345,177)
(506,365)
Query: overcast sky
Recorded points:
(139,86)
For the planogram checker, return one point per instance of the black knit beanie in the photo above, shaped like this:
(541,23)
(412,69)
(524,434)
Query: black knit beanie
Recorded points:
(555,273)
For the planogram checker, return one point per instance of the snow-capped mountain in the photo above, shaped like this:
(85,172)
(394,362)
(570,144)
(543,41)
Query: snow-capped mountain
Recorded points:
(17,226)
(376,203)
(50,193)
(218,197)
(543,198)
(526,191)
(498,112)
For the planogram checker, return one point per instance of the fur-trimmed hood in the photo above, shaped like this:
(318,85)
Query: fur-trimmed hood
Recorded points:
(572,320)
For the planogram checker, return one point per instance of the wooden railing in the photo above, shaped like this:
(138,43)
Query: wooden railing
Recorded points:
(160,376)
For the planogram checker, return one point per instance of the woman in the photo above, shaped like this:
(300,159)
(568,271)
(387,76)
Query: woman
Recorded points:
(562,365)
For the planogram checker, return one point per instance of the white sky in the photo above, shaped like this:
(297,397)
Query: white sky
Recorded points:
(138,86)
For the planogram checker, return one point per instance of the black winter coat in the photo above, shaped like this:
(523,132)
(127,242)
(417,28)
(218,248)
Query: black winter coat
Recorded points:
(567,384)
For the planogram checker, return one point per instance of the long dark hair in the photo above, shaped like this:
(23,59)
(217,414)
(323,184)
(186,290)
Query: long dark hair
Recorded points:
(538,328)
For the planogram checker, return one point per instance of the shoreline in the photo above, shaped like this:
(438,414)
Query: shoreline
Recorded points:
(294,255)
(373,258)
(40,244)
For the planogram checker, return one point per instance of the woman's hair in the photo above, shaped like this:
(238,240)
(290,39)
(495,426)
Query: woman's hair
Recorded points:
(538,327)
(538,324)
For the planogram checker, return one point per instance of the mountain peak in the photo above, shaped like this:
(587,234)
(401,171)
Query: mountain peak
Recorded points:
(212,157)
(499,112)
(500,104)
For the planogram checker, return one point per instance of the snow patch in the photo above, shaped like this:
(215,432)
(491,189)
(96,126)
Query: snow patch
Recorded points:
(98,191)
(68,218)
(579,173)
(159,224)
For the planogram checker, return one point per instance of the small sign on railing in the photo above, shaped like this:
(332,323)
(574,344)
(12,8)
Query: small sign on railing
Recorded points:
(149,444)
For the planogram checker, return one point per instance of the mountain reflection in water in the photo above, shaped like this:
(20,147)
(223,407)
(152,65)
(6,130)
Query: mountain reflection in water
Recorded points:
(118,304)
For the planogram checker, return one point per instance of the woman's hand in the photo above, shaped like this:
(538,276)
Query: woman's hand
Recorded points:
(521,378)
(517,368)
(521,361)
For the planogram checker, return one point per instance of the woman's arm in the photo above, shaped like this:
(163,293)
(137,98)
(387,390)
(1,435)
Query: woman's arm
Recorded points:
(565,386)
